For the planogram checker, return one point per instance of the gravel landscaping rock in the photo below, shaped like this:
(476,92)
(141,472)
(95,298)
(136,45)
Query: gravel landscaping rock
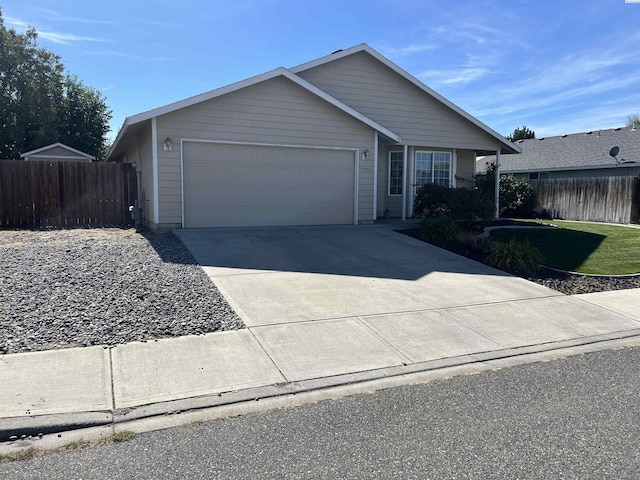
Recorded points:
(572,284)
(81,287)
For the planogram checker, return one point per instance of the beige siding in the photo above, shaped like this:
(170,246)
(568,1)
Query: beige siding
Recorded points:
(362,82)
(466,160)
(51,154)
(59,151)
(44,158)
(276,111)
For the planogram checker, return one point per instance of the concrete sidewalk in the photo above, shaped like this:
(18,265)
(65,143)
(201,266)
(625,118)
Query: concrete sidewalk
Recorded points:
(73,388)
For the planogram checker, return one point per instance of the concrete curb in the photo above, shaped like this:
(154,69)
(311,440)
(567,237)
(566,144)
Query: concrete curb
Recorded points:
(47,424)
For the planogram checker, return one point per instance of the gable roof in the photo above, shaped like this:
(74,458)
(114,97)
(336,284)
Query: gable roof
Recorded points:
(54,145)
(278,72)
(363,47)
(290,74)
(576,151)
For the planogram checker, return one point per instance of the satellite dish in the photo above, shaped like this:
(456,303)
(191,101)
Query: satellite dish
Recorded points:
(614,151)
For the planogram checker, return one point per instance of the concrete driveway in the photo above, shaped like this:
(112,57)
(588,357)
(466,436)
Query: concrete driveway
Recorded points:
(327,301)
(282,275)
(325,307)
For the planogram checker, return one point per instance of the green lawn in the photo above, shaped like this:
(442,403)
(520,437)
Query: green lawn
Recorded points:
(583,247)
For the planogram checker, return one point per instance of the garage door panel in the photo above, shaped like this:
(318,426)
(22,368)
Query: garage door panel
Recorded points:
(240,185)
(264,197)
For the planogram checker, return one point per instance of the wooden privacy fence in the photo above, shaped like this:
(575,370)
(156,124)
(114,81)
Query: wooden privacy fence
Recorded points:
(596,199)
(66,194)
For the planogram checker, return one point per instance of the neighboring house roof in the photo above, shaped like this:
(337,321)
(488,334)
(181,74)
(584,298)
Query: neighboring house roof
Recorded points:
(291,75)
(577,151)
(34,153)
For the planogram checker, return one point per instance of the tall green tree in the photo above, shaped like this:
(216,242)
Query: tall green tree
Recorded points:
(83,117)
(521,134)
(41,104)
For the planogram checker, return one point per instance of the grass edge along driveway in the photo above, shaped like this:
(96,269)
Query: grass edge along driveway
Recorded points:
(582,247)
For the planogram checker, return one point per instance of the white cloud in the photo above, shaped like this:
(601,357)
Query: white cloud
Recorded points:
(450,77)
(53,15)
(67,38)
(56,37)
(409,49)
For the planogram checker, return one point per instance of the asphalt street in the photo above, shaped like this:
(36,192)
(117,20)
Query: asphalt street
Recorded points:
(572,418)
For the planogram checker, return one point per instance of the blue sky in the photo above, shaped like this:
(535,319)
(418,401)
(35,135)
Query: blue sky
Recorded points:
(558,66)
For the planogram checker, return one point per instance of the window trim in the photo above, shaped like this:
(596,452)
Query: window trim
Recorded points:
(389,174)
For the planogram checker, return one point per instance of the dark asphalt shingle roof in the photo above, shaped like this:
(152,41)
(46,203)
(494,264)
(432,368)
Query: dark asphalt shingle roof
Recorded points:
(585,149)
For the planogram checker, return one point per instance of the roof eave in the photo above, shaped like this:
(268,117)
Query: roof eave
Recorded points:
(280,71)
(576,167)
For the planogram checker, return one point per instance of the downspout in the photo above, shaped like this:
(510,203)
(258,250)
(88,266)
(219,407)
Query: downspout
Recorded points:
(497,187)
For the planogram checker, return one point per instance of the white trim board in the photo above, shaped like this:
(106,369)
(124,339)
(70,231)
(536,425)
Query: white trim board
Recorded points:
(154,170)
(375,175)
(356,153)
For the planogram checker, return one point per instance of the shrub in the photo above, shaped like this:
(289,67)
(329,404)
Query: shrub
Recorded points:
(518,256)
(517,197)
(434,201)
(443,230)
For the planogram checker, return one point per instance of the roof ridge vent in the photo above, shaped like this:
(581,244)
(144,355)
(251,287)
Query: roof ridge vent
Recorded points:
(588,133)
(564,136)
(617,129)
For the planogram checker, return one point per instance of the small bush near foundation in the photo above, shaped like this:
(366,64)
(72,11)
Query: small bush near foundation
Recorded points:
(435,201)
(443,230)
(518,256)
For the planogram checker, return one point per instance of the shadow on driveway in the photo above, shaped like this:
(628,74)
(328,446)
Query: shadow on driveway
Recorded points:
(363,251)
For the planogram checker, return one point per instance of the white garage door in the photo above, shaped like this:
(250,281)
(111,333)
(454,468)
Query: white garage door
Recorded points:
(245,185)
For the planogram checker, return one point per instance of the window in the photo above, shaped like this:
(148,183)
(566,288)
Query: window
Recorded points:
(534,176)
(396,161)
(432,167)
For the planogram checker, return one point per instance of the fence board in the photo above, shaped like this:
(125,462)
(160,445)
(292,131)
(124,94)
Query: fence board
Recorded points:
(595,199)
(65,194)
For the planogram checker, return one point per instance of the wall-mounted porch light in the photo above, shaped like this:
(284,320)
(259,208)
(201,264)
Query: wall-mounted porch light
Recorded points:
(365,155)
(167,144)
